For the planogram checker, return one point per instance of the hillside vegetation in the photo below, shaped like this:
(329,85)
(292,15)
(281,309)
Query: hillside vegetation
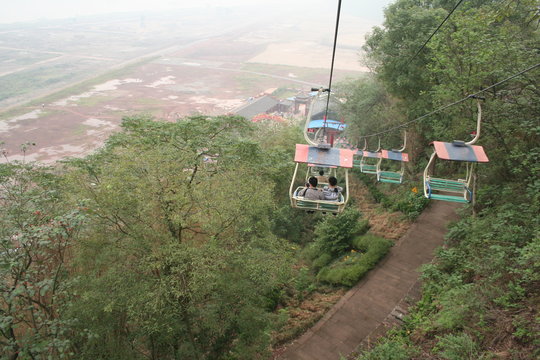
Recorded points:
(481,296)
(173,241)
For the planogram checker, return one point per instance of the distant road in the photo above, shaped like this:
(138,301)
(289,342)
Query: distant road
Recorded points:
(31,66)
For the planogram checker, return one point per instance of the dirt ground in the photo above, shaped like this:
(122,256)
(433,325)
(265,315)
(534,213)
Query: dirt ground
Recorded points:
(212,77)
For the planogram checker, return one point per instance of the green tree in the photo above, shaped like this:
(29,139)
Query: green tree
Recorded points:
(36,235)
(178,259)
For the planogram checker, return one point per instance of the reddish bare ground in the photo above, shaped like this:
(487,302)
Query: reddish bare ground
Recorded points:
(208,77)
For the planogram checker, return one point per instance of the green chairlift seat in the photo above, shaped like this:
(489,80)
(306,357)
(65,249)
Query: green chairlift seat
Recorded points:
(368,159)
(390,177)
(391,156)
(318,205)
(460,190)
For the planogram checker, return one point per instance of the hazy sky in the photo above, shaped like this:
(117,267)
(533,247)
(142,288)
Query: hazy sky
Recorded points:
(29,10)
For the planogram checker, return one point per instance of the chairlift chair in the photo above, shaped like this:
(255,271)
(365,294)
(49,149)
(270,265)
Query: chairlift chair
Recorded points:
(322,125)
(366,164)
(313,155)
(454,190)
(388,176)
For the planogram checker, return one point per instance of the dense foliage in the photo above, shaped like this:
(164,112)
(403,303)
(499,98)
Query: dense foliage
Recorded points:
(36,235)
(160,245)
(480,298)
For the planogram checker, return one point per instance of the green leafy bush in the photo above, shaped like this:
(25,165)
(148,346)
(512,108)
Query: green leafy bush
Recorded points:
(334,233)
(411,204)
(371,184)
(351,267)
(362,227)
(321,261)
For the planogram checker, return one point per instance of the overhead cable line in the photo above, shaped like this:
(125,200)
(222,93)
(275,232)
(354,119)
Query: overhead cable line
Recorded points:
(437,29)
(332,65)
(452,104)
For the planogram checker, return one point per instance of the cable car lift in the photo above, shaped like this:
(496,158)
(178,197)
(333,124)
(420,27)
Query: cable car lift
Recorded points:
(315,156)
(366,165)
(461,151)
(388,176)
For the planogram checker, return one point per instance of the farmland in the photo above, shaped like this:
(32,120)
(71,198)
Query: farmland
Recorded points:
(66,85)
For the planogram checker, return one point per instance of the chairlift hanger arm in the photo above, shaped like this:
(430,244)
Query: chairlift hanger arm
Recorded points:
(478,120)
(404,141)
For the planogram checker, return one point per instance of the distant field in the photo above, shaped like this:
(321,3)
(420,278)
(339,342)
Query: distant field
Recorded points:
(13,60)
(31,81)
(76,98)
(309,54)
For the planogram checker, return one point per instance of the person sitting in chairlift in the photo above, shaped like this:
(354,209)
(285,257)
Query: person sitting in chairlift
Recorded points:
(332,191)
(311,192)
(322,178)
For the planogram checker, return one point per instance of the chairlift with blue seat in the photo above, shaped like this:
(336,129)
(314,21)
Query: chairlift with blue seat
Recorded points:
(395,155)
(455,190)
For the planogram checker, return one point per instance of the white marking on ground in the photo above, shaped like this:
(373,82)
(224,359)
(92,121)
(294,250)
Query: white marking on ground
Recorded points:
(113,108)
(97,122)
(166,80)
(97,90)
(113,84)
(6,125)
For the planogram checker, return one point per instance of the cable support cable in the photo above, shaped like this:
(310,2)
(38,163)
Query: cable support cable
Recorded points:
(436,30)
(451,104)
(332,66)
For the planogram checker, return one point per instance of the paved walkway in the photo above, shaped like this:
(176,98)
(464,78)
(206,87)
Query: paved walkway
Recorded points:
(364,308)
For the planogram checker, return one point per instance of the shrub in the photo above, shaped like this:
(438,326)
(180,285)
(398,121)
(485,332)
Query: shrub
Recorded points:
(334,233)
(321,261)
(371,184)
(363,227)
(372,244)
(350,268)
(411,204)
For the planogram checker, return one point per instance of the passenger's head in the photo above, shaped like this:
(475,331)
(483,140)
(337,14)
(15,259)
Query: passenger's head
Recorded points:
(332,181)
(313,181)
(321,172)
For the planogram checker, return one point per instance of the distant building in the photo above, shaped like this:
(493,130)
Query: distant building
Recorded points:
(302,101)
(262,105)
(286,105)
